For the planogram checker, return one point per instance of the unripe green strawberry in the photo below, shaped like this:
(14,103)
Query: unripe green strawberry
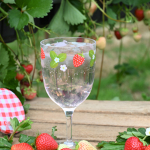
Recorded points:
(147,14)
(123,31)
(85,145)
(101,43)
(61,146)
(146,21)
(22,146)
(135,29)
(137,37)
(109,36)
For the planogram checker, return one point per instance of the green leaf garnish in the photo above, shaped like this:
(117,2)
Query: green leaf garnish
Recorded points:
(92,62)
(9,1)
(62,57)
(26,139)
(53,64)
(53,131)
(4,144)
(91,53)
(74,16)
(14,123)
(53,55)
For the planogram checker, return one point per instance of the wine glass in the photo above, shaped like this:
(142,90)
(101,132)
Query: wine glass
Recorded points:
(68,66)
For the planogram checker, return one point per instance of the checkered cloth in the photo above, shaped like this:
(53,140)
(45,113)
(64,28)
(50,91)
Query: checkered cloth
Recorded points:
(10,107)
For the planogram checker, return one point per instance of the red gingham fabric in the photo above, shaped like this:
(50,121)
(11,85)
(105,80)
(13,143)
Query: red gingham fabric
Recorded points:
(10,107)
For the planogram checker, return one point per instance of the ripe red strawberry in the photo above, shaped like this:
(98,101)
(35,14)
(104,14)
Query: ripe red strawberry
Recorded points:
(80,39)
(144,147)
(139,14)
(29,93)
(148,147)
(133,143)
(42,54)
(22,146)
(19,76)
(101,43)
(78,60)
(117,34)
(85,145)
(27,67)
(45,142)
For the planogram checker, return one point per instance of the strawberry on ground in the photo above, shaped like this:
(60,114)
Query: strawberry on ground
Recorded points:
(45,142)
(19,76)
(22,146)
(133,143)
(29,93)
(101,43)
(85,145)
(78,60)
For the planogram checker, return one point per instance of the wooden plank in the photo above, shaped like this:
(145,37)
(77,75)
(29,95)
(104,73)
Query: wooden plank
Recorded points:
(93,106)
(123,120)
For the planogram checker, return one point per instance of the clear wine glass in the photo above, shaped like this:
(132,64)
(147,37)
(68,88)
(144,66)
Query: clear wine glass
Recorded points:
(68,66)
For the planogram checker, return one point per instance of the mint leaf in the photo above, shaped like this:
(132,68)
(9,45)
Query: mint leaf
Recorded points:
(17,19)
(26,139)
(92,62)
(53,64)
(38,8)
(14,123)
(9,1)
(91,53)
(53,55)
(74,16)
(58,24)
(62,57)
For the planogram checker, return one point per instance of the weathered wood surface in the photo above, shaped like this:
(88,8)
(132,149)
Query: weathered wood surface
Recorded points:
(92,120)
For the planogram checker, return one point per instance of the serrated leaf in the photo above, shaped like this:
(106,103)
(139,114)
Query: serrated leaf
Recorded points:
(112,14)
(17,19)
(57,24)
(26,139)
(62,57)
(34,6)
(25,126)
(137,134)
(5,59)
(53,64)
(4,144)
(3,73)
(91,53)
(72,15)
(14,123)
(126,136)
(142,131)
(31,19)
(53,55)
(9,1)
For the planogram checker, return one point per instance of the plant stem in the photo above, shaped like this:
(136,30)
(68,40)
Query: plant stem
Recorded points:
(3,11)
(101,68)
(105,13)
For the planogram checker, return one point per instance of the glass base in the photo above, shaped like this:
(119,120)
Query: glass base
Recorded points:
(70,144)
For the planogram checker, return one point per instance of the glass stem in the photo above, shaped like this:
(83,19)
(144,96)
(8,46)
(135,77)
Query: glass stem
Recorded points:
(69,115)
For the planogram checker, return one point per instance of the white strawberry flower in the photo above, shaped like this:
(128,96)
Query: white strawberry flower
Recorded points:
(56,60)
(63,68)
(147,132)
(93,57)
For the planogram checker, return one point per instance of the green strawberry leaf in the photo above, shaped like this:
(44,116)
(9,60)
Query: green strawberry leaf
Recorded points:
(53,55)
(9,1)
(14,123)
(5,59)
(81,54)
(126,136)
(31,19)
(4,144)
(26,108)
(92,62)
(74,16)
(138,134)
(17,19)
(57,24)
(62,57)
(142,131)
(53,64)
(26,139)
(53,131)
(91,53)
